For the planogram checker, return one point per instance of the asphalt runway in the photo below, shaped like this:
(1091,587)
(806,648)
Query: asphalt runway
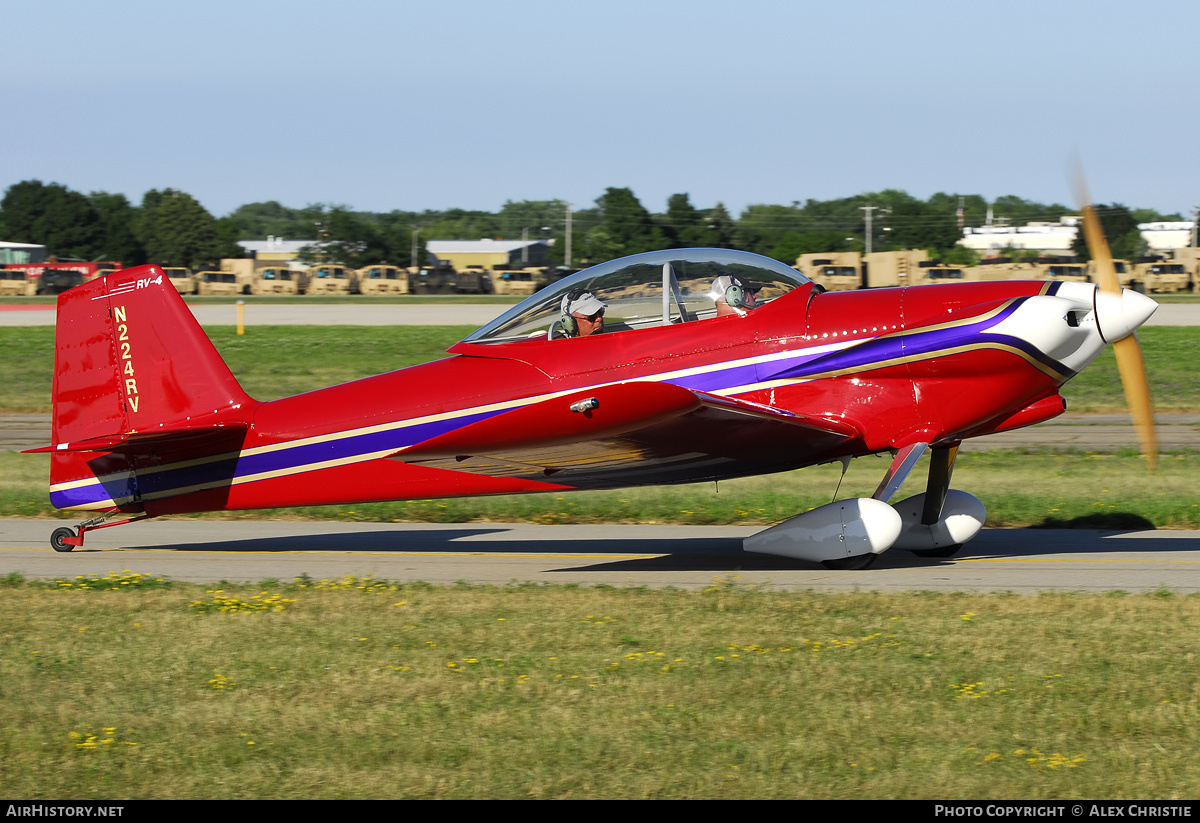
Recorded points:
(1023,561)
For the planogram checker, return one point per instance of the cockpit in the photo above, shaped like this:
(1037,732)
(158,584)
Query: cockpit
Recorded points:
(657,288)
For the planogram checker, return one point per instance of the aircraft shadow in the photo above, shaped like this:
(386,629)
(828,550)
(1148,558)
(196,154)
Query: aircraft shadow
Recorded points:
(1007,544)
(718,554)
(452,541)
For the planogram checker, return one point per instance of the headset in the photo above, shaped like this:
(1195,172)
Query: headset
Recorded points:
(569,324)
(735,295)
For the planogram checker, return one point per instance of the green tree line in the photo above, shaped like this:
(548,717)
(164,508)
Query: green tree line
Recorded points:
(171,228)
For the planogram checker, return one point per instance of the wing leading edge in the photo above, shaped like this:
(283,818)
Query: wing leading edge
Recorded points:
(631,434)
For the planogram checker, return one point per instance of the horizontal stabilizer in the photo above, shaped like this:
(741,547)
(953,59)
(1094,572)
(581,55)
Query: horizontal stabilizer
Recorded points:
(133,441)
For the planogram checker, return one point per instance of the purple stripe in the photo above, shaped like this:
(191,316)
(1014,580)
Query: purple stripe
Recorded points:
(880,350)
(286,459)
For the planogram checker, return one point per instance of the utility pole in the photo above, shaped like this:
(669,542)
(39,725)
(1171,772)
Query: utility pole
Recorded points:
(1195,219)
(524,245)
(415,263)
(868,210)
(567,261)
(321,234)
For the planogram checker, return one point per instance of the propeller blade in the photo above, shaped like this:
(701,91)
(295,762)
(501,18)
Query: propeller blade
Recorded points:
(1130,364)
(1106,272)
(1137,395)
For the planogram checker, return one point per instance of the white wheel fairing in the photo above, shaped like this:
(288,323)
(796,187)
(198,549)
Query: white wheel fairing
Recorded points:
(844,528)
(963,515)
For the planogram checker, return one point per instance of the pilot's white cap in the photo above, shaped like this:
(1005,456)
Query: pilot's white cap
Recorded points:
(586,304)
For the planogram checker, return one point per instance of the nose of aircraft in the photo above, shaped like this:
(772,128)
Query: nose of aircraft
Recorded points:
(1119,314)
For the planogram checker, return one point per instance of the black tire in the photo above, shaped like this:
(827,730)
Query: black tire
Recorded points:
(940,551)
(58,539)
(850,564)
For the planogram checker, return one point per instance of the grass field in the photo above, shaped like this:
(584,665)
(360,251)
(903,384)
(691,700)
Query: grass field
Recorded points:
(357,689)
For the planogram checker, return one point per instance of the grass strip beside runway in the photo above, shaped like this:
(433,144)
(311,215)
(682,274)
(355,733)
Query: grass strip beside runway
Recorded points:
(131,688)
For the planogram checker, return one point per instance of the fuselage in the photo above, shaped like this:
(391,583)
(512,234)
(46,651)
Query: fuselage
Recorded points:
(929,363)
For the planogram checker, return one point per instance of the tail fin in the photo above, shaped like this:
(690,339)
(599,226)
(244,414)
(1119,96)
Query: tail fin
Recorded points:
(135,380)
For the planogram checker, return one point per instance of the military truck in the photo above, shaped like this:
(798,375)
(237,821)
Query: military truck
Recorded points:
(1189,257)
(17,283)
(1000,268)
(382,279)
(276,280)
(1040,268)
(182,279)
(935,271)
(473,280)
(893,268)
(431,279)
(835,271)
(519,281)
(57,281)
(326,279)
(1158,275)
(1123,268)
(1061,268)
(218,282)
(839,271)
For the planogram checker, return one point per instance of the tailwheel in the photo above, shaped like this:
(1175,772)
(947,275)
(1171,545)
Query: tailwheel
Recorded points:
(850,564)
(940,551)
(58,539)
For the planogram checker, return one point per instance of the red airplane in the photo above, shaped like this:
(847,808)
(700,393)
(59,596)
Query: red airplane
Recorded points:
(708,364)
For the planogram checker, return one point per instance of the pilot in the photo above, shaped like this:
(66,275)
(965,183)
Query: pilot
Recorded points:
(734,295)
(582,313)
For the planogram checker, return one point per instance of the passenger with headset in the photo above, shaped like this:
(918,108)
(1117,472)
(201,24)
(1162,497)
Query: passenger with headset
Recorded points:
(733,295)
(582,314)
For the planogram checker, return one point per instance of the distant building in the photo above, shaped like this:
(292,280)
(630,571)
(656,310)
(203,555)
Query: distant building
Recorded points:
(1043,237)
(22,253)
(274,250)
(1057,237)
(1164,236)
(488,253)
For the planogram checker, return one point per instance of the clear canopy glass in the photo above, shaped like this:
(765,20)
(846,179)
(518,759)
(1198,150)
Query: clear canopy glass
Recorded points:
(657,288)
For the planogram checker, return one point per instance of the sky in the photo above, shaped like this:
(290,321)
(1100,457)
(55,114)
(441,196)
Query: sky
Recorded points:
(435,105)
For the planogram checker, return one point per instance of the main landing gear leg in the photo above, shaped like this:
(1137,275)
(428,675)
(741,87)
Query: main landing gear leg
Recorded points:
(941,467)
(65,539)
(940,520)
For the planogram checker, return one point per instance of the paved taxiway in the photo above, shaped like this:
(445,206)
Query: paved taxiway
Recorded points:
(1017,560)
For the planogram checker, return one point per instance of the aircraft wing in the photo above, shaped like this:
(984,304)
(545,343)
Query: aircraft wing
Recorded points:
(631,433)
